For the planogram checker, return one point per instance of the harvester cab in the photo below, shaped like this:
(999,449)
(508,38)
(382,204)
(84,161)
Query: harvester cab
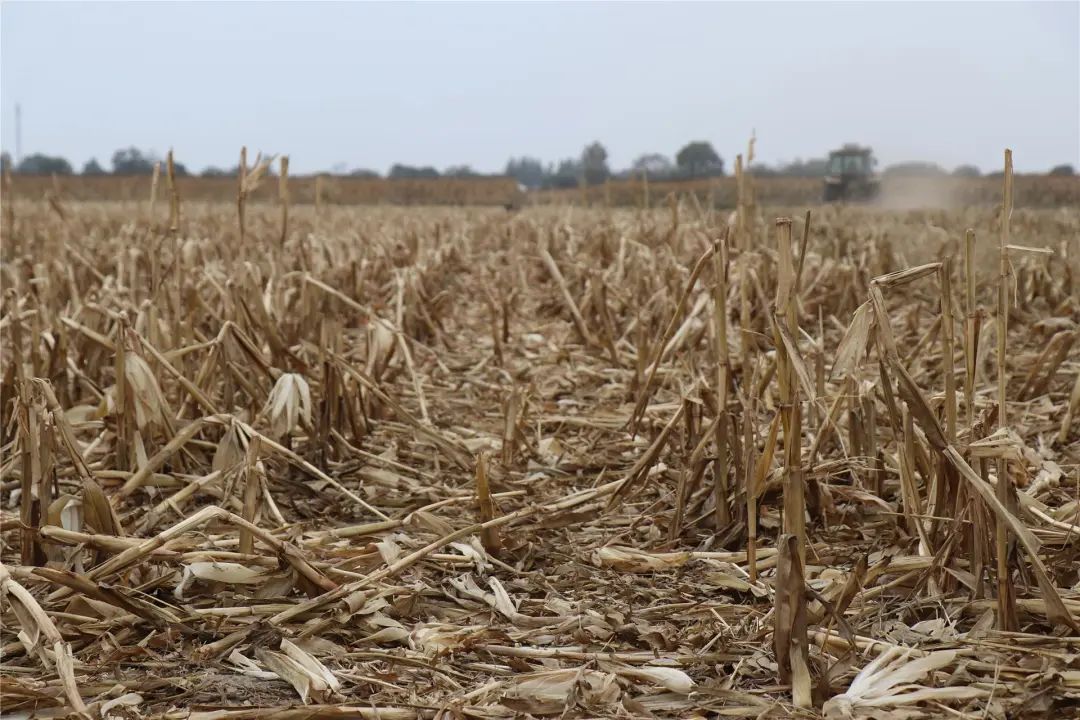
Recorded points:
(850,175)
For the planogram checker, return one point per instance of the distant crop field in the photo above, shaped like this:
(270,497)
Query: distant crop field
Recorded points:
(897,192)
(332,190)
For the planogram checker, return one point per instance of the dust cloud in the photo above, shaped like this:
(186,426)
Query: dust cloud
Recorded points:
(915,193)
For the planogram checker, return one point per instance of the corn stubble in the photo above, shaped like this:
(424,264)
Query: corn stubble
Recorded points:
(312,461)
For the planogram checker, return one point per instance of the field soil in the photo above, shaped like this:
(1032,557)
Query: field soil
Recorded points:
(563,462)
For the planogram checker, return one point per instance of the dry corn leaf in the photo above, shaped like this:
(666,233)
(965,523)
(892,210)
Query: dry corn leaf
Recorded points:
(558,686)
(310,663)
(127,706)
(630,559)
(150,405)
(249,667)
(433,639)
(231,449)
(671,679)
(1002,443)
(906,275)
(852,347)
(98,512)
(797,363)
(888,682)
(223,572)
(289,402)
(309,685)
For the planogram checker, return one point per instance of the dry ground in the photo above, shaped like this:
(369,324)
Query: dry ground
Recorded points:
(275,514)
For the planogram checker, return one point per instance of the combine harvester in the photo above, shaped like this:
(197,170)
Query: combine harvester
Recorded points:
(850,175)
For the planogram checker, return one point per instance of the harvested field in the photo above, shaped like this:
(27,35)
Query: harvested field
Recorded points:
(458,462)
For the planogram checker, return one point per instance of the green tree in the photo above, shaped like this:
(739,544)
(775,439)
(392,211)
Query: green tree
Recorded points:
(412,173)
(527,171)
(567,174)
(132,161)
(1063,170)
(92,168)
(594,163)
(38,164)
(654,164)
(364,173)
(699,159)
(460,171)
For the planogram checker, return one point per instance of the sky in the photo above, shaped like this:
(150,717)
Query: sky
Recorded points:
(371,84)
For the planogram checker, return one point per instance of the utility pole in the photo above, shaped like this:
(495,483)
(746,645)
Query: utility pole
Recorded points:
(18,133)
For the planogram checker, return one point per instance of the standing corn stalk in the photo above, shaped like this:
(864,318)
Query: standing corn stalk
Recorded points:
(154,180)
(241,191)
(746,338)
(789,629)
(253,478)
(972,326)
(945,496)
(489,536)
(790,644)
(283,197)
(720,466)
(174,195)
(248,182)
(785,321)
(1006,601)
(123,433)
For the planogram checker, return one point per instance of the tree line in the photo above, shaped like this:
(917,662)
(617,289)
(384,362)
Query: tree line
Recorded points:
(126,161)
(696,159)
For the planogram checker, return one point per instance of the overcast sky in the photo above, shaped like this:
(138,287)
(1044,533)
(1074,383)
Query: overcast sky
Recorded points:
(368,85)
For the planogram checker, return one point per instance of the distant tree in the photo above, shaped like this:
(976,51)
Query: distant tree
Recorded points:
(699,159)
(594,163)
(5,162)
(364,173)
(409,172)
(92,168)
(132,161)
(178,167)
(213,172)
(460,171)
(914,169)
(526,170)
(969,171)
(567,174)
(1063,170)
(814,167)
(653,164)
(38,164)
